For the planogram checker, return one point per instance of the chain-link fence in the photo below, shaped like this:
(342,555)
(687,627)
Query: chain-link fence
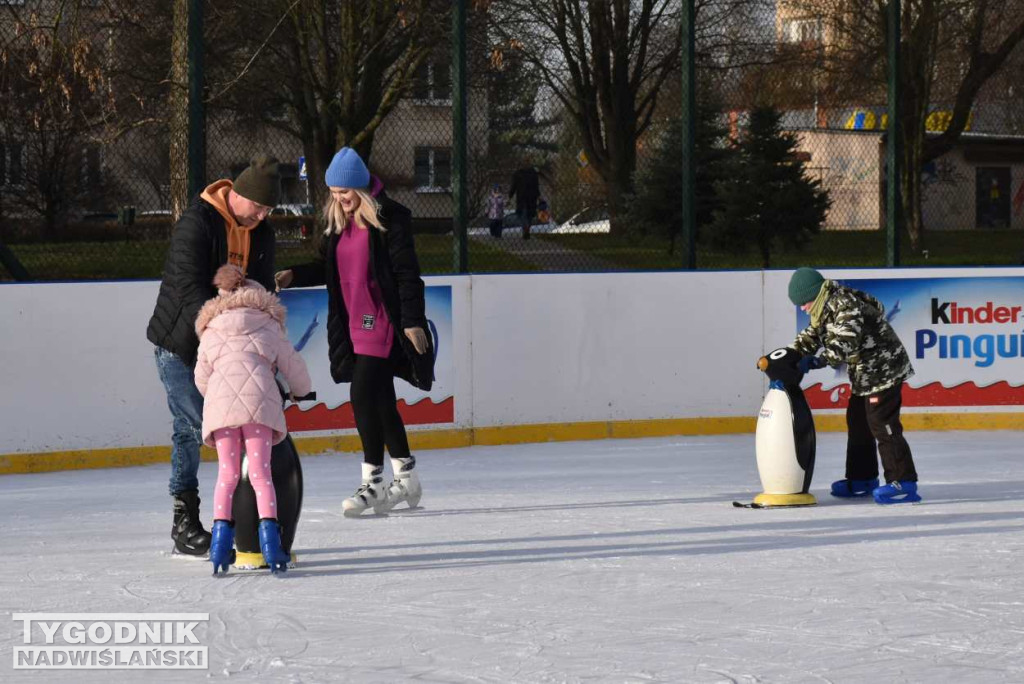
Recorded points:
(575,142)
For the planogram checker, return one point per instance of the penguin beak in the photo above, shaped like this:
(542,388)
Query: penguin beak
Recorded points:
(762,363)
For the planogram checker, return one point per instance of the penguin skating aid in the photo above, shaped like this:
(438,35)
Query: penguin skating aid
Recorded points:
(286,473)
(785,437)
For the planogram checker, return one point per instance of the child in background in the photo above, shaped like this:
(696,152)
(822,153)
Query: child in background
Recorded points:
(543,213)
(242,342)
(851,328)
(496,210)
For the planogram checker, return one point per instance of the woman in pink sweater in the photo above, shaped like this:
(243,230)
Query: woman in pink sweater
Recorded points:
(376,323)
(242,343)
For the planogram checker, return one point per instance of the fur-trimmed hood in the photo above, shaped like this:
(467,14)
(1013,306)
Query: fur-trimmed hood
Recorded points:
(250,295)
(242,346)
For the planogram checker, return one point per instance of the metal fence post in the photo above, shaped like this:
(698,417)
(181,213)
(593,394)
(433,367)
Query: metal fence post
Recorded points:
(689,114)
(459,139)
(894,142)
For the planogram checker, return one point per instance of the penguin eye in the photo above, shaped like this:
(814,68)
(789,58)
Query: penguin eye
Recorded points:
(777,354)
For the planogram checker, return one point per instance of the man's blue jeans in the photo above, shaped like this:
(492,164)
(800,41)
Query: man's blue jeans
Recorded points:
(186,404)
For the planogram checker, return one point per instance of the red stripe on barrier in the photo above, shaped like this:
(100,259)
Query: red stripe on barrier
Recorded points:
(933,394)
(424,412)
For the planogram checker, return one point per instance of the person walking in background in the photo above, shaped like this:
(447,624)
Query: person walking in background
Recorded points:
(496,210)
(242,340)
(376,322)
(850,327)
(526,189)
(224,224)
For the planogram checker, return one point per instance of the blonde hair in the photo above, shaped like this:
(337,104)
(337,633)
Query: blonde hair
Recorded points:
(368,213)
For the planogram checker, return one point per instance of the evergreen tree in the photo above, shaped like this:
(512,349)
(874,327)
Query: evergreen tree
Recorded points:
(767,199)
(514,92)
(656,207)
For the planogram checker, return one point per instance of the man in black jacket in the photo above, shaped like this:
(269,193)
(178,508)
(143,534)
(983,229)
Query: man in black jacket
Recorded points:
(525,188)
(224,224)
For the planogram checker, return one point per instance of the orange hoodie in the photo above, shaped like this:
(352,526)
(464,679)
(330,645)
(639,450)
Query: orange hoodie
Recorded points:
(238,236)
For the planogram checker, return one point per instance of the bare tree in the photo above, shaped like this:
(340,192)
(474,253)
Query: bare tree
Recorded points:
(76,76)
(334,68)
(950,50)
(177,111)
(135,37)
(52,85)
(605,61)
(980,35)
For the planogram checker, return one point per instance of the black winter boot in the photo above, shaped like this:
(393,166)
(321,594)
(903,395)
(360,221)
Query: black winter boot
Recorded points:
(188,534)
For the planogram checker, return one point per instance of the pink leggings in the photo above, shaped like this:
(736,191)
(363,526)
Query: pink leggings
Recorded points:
(229,454)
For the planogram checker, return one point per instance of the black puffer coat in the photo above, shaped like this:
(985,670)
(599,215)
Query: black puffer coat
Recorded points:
(393,265)
(199,246)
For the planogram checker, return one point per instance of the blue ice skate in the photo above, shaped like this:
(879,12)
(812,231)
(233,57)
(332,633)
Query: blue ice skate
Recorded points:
(222,542)
(904,491)
(270,545)
(848,489)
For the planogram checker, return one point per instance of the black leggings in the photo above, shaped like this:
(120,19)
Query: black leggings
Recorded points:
(376,410)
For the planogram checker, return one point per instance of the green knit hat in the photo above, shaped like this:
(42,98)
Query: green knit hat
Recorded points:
(805,285)
(260,182)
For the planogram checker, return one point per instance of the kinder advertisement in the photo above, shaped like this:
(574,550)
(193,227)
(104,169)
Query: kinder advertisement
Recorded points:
(965,338)
(307,330)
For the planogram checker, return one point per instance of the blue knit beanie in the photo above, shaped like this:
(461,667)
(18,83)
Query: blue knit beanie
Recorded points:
(347,170)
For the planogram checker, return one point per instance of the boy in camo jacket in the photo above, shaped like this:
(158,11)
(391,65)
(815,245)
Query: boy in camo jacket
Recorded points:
(850,327)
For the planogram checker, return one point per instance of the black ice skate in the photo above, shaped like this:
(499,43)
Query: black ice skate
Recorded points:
(187,532)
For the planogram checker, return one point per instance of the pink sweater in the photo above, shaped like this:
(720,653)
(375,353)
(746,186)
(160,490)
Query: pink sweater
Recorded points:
(368,324)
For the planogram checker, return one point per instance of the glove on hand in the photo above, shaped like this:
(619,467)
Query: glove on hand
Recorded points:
(809,363)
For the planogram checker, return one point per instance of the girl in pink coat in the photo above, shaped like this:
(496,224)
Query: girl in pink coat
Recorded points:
(242,343)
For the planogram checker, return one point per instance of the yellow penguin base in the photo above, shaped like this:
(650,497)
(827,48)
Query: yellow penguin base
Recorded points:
(785,500)
(245,560)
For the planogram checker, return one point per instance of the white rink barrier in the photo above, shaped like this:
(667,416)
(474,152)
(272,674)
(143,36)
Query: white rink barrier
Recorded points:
(521,358)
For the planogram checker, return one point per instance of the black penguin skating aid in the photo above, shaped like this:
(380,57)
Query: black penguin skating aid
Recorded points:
(785,440)
(286,472)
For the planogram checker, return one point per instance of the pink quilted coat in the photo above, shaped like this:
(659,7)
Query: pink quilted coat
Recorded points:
(241,344)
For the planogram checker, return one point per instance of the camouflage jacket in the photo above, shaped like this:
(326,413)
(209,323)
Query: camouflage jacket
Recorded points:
(853,330)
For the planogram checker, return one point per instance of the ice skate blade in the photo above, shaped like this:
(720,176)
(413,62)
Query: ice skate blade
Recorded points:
(364,513)
(907,499)
(789,500)
(410,509)
(411,505)
(188,556)
(866,494)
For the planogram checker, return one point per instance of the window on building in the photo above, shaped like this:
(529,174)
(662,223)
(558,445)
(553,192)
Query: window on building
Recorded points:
(807,30)
(433,82)
(433,169)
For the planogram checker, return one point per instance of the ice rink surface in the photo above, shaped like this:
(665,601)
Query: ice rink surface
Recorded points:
(603,561)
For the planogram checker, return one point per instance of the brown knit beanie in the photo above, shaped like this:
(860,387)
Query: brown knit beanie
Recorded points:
(260,182)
